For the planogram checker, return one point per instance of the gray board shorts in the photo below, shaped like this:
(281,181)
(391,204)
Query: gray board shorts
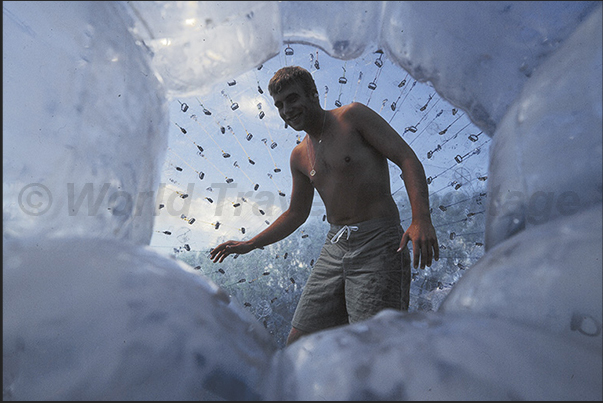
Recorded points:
(357,274)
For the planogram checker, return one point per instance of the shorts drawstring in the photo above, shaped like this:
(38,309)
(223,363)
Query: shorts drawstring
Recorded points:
(345,228)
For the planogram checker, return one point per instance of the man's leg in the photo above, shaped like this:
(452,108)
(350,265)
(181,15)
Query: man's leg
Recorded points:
(322,302)
(294,334)
(376,278)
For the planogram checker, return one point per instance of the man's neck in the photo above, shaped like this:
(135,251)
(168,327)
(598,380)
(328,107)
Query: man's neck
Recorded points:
(318,130)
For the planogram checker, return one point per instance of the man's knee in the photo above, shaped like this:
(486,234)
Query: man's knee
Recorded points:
(294,335)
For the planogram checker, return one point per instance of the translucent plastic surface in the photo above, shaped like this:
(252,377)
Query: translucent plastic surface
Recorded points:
(546,159)
(91,96)
(84,124)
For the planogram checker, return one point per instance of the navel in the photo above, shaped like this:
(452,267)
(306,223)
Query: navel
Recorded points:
(347,159)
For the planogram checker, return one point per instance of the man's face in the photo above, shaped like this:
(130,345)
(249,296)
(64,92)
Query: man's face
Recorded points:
(293,106)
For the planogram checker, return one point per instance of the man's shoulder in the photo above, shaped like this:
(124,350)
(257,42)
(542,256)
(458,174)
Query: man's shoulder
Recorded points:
(356,113)
(354,109)
(354,106)
(296,153)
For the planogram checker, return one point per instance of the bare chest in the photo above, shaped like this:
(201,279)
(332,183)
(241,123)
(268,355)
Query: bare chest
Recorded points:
(339,159)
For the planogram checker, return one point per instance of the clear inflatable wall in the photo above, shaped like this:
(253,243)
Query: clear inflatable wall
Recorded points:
(137,135)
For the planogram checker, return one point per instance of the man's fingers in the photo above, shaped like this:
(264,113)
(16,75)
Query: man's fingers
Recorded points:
(223,257)
(219,253)
(403,242)
(214,253)
(428,254)
(220,258)
(436,250)
(225,253)
(215,257)
(422,254)
(423,251)
(416,254)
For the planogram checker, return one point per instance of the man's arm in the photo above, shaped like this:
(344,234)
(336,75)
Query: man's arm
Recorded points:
(302,194)
(377,132)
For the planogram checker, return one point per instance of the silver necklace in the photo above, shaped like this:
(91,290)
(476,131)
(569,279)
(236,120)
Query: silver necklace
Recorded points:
(313,171)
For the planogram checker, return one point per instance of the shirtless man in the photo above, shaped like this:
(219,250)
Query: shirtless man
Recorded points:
(364,266)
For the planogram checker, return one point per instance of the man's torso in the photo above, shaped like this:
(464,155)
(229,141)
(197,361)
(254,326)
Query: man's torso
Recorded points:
(352,177)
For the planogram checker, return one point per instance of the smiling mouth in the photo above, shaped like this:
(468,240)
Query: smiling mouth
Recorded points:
(294,119)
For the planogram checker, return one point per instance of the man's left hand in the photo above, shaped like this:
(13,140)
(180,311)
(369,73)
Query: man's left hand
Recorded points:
(424,243)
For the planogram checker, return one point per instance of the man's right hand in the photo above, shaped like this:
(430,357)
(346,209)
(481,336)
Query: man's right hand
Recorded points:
(219,253)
